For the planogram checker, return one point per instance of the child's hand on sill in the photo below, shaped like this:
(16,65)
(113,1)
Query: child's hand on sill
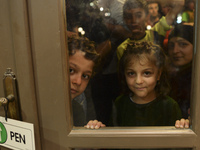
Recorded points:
(183,123)
(94,124)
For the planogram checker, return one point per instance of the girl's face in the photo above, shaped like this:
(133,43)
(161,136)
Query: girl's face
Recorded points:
(141,77)
(80,72)
(180,51)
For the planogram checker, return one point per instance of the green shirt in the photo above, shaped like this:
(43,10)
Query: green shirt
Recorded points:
(162,111)
(188,16)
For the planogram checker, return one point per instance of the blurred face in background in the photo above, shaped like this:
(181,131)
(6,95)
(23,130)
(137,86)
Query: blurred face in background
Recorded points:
(191,5)
(180,51)
(153,9)
(165,9)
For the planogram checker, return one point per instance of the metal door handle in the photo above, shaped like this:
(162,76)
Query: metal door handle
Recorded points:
(4,101)
(11,100)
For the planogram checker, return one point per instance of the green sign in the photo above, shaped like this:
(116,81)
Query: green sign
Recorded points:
(3,133)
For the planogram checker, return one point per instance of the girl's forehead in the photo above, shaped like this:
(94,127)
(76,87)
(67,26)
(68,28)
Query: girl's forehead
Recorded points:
(142,59)
(141,62)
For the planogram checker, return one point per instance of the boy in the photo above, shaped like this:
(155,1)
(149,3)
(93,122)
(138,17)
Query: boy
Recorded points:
(83,59)
(134,16)
(153,13)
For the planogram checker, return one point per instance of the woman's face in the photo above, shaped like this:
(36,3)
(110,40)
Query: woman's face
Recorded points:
(80,72)
(180,51)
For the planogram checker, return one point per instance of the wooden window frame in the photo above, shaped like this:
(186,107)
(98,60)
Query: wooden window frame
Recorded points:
(146,137)
(47,31)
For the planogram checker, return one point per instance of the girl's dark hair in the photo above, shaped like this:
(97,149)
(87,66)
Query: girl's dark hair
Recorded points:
(83,44)
(153,53)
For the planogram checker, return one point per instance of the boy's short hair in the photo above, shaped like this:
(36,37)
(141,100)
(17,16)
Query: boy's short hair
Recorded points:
(85,45)
(131,4)
(152,2)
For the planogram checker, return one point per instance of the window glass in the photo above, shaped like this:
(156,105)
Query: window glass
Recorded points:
(130,61)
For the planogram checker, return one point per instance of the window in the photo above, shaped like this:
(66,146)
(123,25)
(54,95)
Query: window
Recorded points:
(103,23)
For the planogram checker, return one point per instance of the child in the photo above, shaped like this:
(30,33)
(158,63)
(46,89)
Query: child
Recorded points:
(134,16)
(188,13)
(144,79)
(153,13)
(83,59)
(145,102)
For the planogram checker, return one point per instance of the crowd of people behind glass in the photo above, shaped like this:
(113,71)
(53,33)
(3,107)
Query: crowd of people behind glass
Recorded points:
(113,25)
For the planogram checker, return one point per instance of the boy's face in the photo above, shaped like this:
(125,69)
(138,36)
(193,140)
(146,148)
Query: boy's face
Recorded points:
(180,51)
(165,9)
(135,21)
(141,77)
(80,73)
(153,9)
(191,5)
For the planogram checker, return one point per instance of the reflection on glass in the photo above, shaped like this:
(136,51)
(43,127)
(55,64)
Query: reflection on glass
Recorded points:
(139,43)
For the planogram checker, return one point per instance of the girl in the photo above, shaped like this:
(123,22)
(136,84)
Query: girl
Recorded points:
(83,60)
(144,79)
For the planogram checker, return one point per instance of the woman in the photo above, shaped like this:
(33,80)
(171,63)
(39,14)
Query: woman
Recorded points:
(180,50)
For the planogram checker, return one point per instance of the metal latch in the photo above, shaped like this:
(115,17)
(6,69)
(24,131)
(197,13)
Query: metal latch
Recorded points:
(11,101)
